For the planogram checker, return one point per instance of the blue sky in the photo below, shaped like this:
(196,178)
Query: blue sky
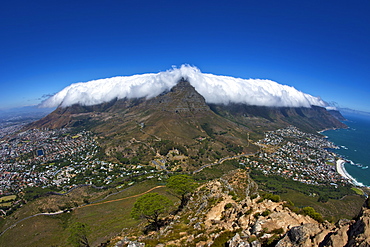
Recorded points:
(319,47)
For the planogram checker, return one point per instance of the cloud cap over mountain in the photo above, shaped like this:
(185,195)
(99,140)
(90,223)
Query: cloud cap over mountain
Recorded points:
(214,88)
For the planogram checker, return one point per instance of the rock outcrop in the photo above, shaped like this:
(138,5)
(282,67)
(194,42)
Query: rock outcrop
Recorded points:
(344,233)
(359,232)
(229,211)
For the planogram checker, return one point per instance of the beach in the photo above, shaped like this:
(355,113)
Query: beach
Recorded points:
(353,149)
(342,171)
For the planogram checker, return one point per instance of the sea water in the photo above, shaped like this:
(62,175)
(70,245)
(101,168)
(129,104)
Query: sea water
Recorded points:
(354,146)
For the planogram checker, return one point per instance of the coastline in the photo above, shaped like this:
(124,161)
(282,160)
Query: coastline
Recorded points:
(342,171)
(352,145)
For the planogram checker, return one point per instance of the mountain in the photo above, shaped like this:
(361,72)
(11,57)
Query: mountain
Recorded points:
(177,119)
(216,89)
(337,115)
(182,128)
(352,111)
(180,117)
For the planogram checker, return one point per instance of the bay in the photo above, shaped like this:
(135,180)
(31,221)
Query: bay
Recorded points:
(354,146)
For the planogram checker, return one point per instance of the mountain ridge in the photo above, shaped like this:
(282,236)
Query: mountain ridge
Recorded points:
(181,116)
(189,100)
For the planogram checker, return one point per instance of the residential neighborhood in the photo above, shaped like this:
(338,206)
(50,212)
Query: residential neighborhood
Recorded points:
(300,156)
(35,157)
(60,159)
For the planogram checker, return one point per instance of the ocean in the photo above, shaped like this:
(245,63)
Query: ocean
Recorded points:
(354,146)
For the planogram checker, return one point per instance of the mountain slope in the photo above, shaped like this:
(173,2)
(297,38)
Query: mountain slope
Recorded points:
(136,127)
(181,117)
(311,119)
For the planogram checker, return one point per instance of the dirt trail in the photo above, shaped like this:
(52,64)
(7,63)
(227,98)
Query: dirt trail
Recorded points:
(87,205)
(120,199)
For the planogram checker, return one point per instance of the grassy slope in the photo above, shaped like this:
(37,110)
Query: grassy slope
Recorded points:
(347,207)
(105,221)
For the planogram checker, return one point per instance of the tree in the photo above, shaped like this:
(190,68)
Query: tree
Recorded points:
(312,213)
(78,235)
(150,206)
(181,186)
(323,198)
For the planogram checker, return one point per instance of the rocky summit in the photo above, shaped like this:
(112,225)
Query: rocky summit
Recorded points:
(182,98)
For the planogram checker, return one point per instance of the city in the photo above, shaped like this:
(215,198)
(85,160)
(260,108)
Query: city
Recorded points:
(61,160)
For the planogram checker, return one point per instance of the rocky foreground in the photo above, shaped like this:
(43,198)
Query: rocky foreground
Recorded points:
(229,211)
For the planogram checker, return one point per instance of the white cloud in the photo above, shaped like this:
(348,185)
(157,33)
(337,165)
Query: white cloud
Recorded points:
(214,88)
(331,108)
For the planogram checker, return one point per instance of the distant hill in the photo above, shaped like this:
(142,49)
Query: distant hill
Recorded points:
(24,113)
(352,111)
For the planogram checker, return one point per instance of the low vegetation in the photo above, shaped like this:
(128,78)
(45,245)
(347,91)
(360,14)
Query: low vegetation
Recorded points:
(280,185)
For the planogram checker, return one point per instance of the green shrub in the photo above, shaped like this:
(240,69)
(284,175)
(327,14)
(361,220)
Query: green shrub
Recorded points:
(260,200)
(281,185)
(277,231)
(312,213)
(221,240)
(201,238)
(249,211)
(323,198)
(266,213)
(252,238)
(272,241)
(274,198)
(232,193)
(288,203)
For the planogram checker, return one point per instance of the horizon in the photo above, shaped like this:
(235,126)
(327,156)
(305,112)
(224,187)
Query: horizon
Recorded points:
(318,48)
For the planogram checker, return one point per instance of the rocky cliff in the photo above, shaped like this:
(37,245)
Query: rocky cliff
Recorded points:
(229,212)
(343,233)
(311,119)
